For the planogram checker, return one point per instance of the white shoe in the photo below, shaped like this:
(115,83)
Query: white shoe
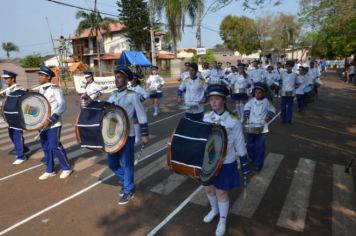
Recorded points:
(18,162)
(220,229)
(46,175)
(210,216)
(65,174)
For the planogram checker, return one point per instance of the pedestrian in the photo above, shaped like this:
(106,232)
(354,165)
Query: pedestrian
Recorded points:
(51,133)
(258,110)
(228,177)
(15,134)
(155,83)
(92,90)
(303,79)
(192,92)
(122,162)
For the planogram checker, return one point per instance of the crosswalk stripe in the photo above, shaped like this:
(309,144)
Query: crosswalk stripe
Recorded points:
(200,198)
(247,204)
(344,203)
(37,145)
(26,134)
(296,204)
(169,184)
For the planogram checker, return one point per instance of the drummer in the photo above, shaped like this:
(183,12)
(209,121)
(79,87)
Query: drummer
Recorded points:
(258,110)
(92,89)
(185,73)
(240,82)
(205,73)
(51,133)
(122,162)
(15,134)
(155,83)
(228,177)
(272,80)
(193,89)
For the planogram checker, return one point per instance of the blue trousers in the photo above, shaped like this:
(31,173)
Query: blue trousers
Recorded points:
(256,144)
(300,101)
(287,109)
(17,139)
(195,116)
(122,164)
(52,147)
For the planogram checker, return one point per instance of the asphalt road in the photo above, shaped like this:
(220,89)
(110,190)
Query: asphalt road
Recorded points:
(302,190)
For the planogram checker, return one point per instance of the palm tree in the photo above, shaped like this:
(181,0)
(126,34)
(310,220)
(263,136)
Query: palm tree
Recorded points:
(175,12)
(10,47)
(98,27)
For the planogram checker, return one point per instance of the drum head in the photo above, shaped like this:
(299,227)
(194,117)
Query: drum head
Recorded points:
(215,151)
(115,129)
(35,110)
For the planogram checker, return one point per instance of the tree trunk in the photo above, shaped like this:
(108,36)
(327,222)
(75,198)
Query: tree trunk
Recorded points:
(8,54)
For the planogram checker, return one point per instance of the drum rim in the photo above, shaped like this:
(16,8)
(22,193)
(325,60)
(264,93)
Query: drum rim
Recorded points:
(247,129)
(48,111)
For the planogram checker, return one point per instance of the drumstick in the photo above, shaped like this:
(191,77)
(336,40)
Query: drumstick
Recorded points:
(137,160)
(270,122)
(12,86)
(36,138)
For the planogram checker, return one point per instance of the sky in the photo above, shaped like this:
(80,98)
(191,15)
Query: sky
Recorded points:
(23,22)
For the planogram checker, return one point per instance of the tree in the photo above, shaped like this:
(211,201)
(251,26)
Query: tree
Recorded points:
(175,12)
(97,25)
(239,34)
(208,57)
(264,26)
(134,14)
(9,47)
(32,61)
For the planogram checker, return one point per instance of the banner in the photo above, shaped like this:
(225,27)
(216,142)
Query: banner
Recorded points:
(105,82)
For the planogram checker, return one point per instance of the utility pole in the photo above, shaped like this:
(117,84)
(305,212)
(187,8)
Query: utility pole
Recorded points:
(97,28)
(198,34)
(153,43)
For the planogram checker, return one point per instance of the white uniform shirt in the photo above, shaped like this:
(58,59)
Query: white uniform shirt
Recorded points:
(304,81)
(56,100)
(184,75)
(235,138)
(272,78)
(154,81)
(194,92)
(257,75)
(239,81)
(205,73)
(142,93)
(93,90)
(289,81)
(130,102)
(258,111)
(216,76)
(313,73)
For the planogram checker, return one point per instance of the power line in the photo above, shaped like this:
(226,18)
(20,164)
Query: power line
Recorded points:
(207,28)
(79,7)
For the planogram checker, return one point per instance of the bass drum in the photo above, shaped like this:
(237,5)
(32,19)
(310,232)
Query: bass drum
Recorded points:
(207,145)
(26,110)
(102,126)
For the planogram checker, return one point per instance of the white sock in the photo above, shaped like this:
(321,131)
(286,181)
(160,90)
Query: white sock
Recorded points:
(137,131)
(213,203)
(223,211)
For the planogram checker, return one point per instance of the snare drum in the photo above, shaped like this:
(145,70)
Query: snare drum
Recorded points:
(102,126)
(197,149)
(309,94)
(239,91)
(253,128)
(26,110)
(275,86)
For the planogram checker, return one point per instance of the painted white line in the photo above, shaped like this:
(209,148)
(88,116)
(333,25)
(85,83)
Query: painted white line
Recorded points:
(157,121)
(140,175)
(169,184)
(296,204)
(344,203)
(176,211)
(247,204)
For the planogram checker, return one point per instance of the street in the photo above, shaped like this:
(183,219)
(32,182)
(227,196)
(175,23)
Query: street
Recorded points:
(302,190)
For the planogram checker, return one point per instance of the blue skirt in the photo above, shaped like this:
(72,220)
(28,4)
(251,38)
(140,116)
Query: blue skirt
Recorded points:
(228,177)
(239,96)
(157,95)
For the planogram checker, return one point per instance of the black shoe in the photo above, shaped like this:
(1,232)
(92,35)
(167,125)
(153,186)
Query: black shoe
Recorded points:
(125,198)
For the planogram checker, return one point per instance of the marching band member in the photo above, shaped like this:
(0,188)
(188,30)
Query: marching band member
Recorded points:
(50,134)
(289,83)
(303,79)
(256,74)
(258,110)
(15,134)
(143,95)
(155,83)
(185,73)
(92,89)
(272,79)
(193,88)
(228,177)
(122,162)
(241,81)
(314,75)
(205,73)
(216,75)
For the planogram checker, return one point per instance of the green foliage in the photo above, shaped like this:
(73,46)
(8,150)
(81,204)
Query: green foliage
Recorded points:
(208,57)
(32,61)
(239,34)
(9,47)
(134,14)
